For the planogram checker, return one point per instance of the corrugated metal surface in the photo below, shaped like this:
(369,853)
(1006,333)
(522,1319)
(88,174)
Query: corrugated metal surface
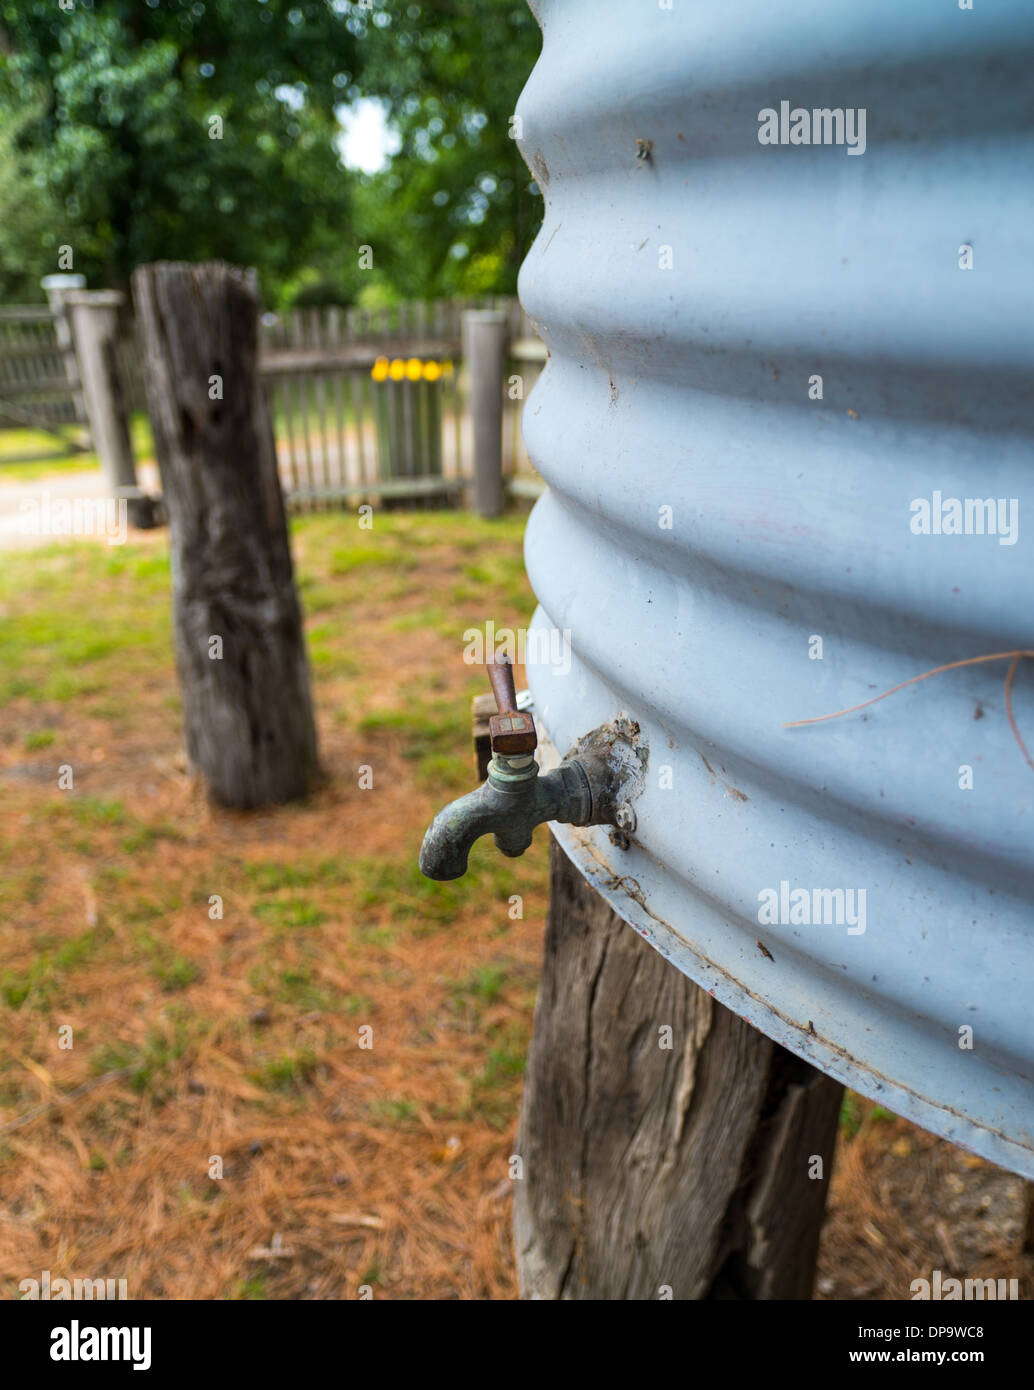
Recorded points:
(791,518)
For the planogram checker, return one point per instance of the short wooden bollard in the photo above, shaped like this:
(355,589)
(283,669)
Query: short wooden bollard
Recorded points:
(240,650)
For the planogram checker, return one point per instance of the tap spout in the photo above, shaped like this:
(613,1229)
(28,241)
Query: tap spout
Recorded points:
(513,800)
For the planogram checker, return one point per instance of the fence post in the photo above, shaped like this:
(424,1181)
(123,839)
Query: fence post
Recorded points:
(94,320)
(484,347)
(56,288)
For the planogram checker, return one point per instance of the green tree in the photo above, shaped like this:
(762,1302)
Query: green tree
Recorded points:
(456,210)
(140,130)
(30,212)
(165,129)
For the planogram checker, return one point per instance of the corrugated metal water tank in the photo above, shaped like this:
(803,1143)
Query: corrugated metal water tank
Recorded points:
(709,517)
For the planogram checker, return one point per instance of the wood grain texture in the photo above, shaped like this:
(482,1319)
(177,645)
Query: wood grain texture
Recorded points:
(647,1168)
(248,716)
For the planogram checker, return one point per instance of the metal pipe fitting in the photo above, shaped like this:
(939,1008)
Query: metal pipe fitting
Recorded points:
(594,786)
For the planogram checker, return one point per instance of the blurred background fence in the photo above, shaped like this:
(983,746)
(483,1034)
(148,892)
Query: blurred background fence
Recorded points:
(36,390)
(365,404)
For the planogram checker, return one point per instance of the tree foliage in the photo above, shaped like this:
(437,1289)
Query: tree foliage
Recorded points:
(110,109)
(457,210)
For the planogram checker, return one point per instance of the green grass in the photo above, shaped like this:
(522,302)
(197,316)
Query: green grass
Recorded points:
(288,1073)
(431,615)
(392,882)
(20,887)
(28,455)
(142,907)
(330,662)
(295,985)
(388,887)
(271,878)
(95,810)
(149,1064)
(290,912)
(503,1065)
(317,597)
(250,1290)
(396,1112)
(84,621)
(428,728)
(78,616)
(173,972)
(68,630)
(176,973)
(434,733)
(38,983)
(364,555)
(494,1092)
(144,837)
(850,1114)
(469,996)
(484,985)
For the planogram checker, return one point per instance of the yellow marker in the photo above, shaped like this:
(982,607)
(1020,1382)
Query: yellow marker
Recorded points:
(397,370)
(432,371)
(379,371)
(414,369)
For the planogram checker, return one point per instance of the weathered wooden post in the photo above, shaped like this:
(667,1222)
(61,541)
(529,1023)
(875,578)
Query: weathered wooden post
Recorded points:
(484,347)
(239,642)
(94,316)
(685,1170)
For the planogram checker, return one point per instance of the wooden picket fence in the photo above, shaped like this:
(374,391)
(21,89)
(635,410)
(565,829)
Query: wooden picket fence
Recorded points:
(363,402)
(374,399)
(36,390)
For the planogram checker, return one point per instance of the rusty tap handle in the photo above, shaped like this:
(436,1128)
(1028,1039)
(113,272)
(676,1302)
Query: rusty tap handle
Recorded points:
(500,673)
(513,732)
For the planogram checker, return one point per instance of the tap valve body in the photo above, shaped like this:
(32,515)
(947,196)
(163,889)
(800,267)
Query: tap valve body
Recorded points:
(587,789)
